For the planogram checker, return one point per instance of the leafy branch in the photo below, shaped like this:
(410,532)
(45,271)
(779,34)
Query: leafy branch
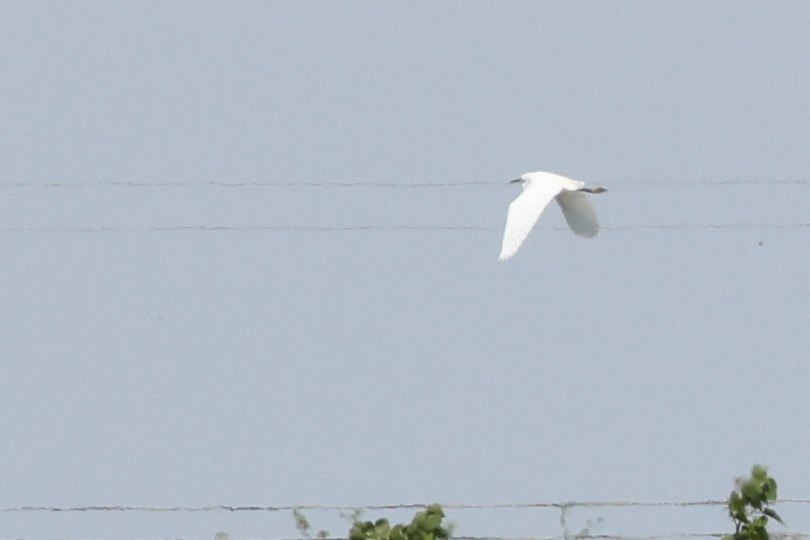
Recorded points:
(426,525)
(749,506)
(305,528)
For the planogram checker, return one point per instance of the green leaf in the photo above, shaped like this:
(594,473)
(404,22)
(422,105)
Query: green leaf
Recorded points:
(382,528)
(397,533)
(759,473)
(736,504)
(356,533)
(435,509)
(750,490)
(770,512)
(433,521)
(770,490)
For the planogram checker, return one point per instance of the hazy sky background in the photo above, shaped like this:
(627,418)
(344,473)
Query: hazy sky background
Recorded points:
(165,367)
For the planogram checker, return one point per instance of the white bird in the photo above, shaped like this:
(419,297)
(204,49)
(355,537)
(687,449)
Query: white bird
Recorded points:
(538,190)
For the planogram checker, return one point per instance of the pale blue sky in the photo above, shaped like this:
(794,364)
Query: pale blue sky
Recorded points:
(271,367)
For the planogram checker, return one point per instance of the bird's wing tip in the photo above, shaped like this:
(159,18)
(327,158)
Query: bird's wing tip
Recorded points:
(587,234)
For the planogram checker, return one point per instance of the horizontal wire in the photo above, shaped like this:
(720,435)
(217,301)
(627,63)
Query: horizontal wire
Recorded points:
(608,536)
(405,506)
(236,228)
(561,506)
(111,229)
(579,536)
(399,506)
(359,184)
(236,184)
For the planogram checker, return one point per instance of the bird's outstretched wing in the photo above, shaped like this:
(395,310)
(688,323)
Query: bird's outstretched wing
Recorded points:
(524,213)
(579,213)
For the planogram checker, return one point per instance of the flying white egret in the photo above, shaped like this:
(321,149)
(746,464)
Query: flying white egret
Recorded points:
(538,190)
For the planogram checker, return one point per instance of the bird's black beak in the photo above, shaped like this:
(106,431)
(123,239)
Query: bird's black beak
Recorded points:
(515,181)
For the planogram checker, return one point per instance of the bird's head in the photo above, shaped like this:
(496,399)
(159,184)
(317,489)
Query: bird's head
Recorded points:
(535,176)
(524,178)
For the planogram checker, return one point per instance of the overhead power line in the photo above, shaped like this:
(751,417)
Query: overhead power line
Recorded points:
(561,507)
(116,229)
(368,184)
(393,506)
